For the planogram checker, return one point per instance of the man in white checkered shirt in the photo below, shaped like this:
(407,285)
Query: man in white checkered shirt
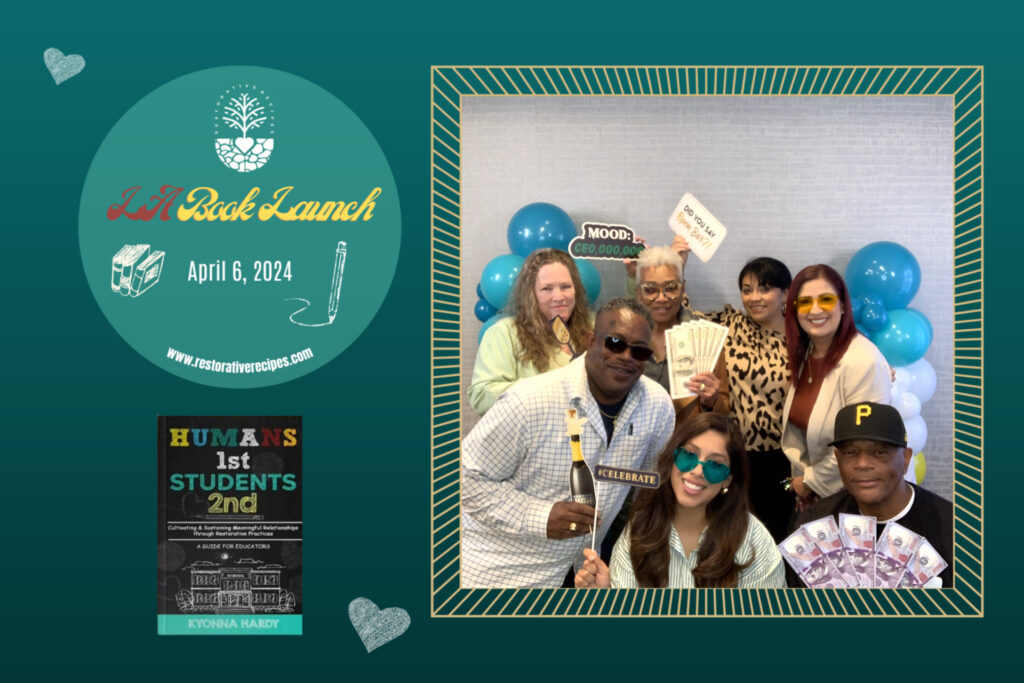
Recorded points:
(518,528)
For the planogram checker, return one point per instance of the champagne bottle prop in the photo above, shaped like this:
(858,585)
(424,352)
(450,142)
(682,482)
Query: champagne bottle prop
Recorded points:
(581,479)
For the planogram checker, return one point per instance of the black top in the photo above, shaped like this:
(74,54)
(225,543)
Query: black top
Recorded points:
(931,516)
(611,409)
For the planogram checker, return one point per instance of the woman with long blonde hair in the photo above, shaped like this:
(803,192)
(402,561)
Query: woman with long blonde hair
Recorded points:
(549,326)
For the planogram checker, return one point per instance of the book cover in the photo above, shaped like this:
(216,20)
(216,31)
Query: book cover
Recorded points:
(147,273)
(116,267)
(229,525)
(128,260)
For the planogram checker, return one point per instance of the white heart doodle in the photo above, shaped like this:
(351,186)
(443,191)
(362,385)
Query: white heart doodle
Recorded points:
(62,67)
(376,627)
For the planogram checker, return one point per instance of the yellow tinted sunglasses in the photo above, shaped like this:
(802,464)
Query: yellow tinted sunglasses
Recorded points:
(826,302)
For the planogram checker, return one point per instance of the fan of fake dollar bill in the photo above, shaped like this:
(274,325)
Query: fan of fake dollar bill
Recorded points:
(692,347)
(826,555)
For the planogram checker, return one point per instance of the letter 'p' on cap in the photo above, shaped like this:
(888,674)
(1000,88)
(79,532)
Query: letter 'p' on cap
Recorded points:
(871,421)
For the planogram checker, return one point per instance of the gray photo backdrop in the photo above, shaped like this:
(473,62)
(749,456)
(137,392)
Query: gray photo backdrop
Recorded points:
(804,179)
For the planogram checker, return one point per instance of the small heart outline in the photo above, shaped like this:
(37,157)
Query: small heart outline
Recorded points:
(190,510)
(61,66)
(376,627)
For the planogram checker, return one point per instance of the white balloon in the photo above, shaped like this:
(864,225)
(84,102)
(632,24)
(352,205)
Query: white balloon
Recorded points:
(901,382)
(908,404)
(917,434)
(922,379)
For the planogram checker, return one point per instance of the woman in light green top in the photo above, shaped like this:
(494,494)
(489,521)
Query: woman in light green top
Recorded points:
(695,530)
(532,341)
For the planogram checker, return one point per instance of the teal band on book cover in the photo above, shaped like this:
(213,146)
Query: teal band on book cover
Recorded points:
(229,625)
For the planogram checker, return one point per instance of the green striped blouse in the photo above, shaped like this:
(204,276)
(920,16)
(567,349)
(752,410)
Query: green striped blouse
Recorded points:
(766,570)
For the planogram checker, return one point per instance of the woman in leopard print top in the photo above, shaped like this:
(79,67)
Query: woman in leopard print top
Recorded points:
(757,365)
(757,378)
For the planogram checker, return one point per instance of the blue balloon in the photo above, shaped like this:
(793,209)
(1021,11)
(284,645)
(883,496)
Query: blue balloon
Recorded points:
(863,330)
(537,226)
(856,304)
(479,292)
(870,299)
(887,269)
(498,278)
(484,310)
(873,317)
(905,339)
(487,325)
(590,278)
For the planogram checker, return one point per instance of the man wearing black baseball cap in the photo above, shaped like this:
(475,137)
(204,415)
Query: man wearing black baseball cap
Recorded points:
(871,450)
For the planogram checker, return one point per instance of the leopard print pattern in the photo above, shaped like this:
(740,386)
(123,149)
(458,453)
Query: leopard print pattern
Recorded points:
(755,358)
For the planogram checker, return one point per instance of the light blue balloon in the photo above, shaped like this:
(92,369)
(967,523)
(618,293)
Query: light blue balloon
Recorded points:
(484,311)
(887,269)
(499,277)
(590,278)
(487,325)
(537,226)
(479,292)
(905,338)
(856,304)
(873,317)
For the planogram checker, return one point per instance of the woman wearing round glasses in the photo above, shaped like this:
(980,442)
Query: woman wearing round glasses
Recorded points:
(660,287)
(758,380)
(548,328)
(831,365)
(695,530)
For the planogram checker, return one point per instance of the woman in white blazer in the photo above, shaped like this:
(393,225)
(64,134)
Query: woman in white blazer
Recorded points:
(831,365)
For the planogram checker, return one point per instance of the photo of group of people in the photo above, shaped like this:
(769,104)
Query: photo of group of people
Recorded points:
(805,410)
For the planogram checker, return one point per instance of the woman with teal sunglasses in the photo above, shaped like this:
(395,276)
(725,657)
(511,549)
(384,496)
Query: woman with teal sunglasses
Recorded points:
(695,530)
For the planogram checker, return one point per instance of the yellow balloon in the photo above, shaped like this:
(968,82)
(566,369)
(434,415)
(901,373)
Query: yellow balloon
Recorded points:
(920,467)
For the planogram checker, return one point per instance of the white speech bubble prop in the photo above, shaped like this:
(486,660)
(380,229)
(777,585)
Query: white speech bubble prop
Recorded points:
(702,230)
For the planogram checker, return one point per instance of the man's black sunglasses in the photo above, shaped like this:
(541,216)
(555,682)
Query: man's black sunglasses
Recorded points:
(616,345)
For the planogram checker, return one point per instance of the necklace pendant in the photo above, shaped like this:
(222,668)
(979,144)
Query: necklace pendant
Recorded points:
(560,330)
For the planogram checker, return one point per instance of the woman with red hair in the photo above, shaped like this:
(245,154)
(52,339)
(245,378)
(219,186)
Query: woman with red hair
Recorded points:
(831,365)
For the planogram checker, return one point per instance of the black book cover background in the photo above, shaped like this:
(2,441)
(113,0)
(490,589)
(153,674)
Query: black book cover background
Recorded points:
(174,557)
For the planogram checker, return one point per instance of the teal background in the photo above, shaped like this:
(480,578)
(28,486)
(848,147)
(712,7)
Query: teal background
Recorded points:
(79,458)
(321,149)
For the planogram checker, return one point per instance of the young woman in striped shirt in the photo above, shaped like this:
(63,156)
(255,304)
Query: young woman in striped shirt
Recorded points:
(695,530)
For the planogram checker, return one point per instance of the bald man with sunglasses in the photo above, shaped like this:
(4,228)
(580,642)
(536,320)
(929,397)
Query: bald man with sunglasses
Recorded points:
(519,527)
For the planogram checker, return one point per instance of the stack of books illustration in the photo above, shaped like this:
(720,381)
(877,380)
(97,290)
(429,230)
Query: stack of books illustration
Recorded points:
(135,269)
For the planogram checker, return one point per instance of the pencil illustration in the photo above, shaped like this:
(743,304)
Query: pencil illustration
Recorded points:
(340,255)
(339,270)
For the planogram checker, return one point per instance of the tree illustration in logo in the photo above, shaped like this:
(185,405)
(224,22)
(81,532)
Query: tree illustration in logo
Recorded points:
(243,112)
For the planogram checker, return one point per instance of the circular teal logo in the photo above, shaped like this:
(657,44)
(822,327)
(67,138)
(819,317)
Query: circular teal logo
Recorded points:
(239,227)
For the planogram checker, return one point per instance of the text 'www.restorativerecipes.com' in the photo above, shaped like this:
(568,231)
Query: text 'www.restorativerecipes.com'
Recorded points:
(238,367)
